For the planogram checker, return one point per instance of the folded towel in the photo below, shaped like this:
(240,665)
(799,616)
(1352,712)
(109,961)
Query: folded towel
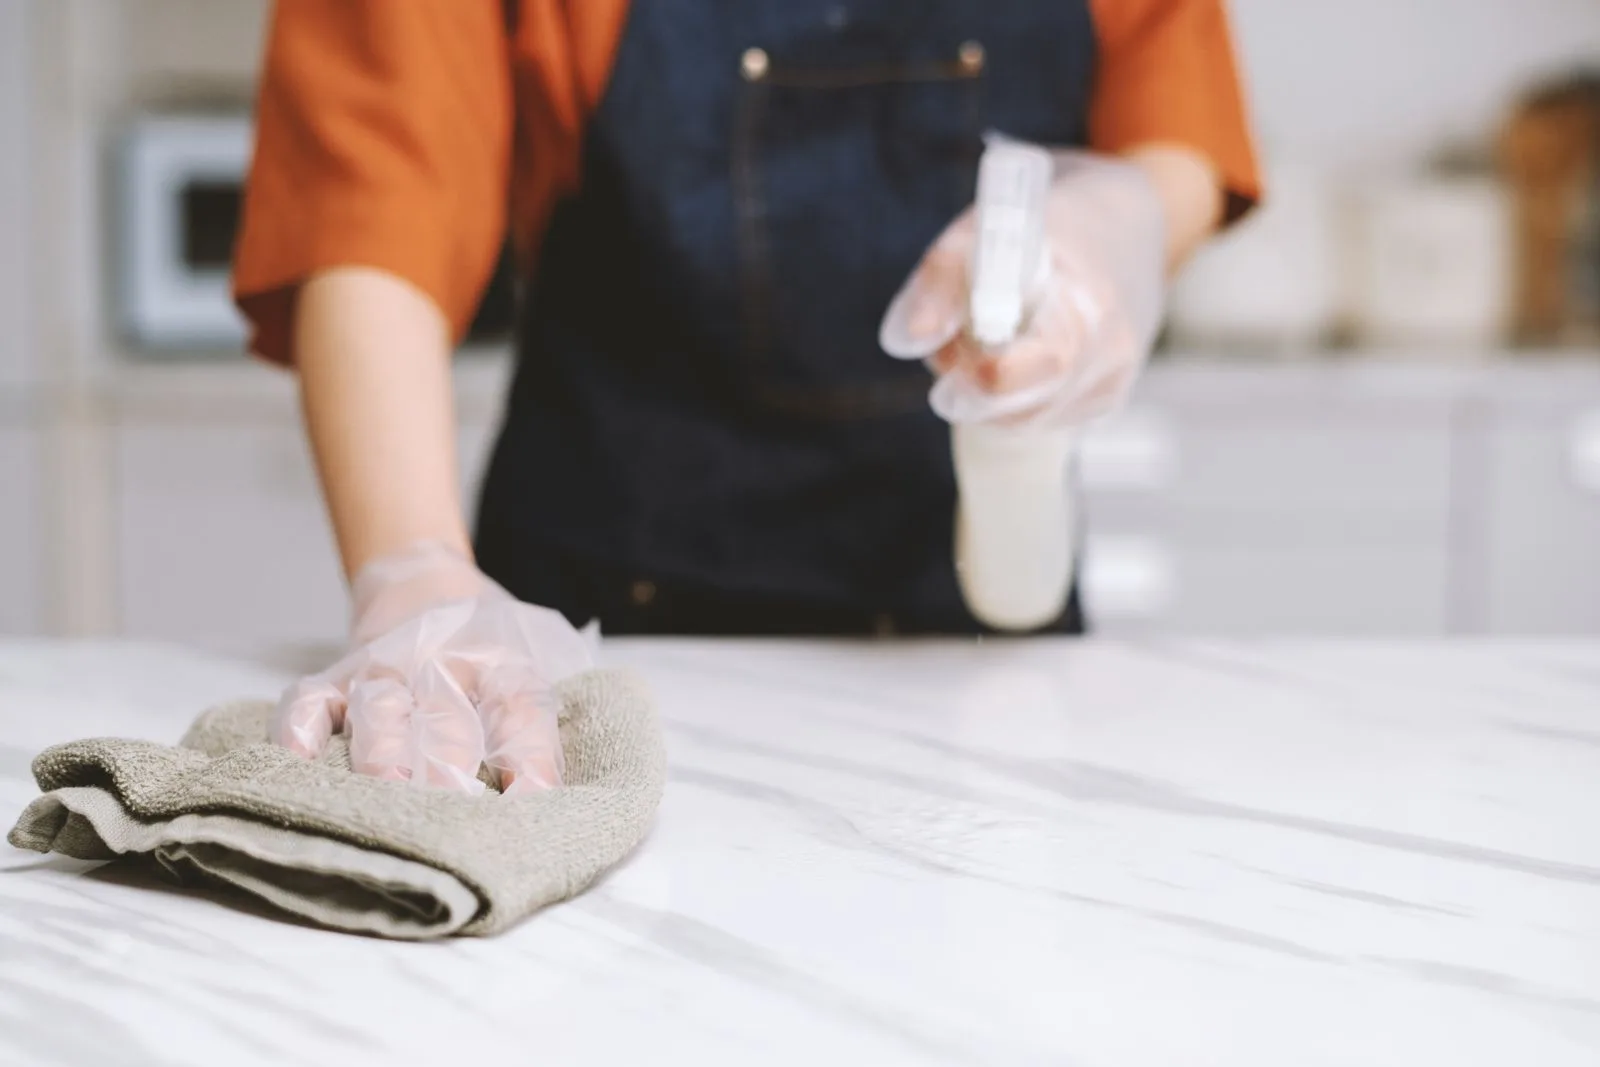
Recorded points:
(351,852)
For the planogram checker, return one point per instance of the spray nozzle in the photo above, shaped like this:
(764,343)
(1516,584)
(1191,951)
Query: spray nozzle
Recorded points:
(1013,181)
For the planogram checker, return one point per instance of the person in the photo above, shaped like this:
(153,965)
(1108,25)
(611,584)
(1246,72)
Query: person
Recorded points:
(712,203)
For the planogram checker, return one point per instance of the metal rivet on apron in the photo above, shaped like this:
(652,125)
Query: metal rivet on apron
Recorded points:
(643,592)
(971,57)
(754,64)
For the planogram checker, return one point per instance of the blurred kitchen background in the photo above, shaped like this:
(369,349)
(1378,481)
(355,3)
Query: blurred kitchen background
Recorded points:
(1376,410)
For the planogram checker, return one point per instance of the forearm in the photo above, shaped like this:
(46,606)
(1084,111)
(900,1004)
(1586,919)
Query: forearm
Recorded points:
(1190,191)
(373,354)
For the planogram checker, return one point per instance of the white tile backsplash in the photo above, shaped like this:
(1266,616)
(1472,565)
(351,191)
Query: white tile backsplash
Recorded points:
(194,45)
(1372,84)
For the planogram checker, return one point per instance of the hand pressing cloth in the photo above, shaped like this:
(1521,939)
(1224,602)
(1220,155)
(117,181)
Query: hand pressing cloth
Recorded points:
(348,851)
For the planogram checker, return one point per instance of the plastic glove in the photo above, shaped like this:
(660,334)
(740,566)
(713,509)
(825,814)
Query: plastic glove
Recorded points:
(1092,317)
(448,672)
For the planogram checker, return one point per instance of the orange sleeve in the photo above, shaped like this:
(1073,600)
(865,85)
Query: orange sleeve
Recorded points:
(1167,72)
(383,139)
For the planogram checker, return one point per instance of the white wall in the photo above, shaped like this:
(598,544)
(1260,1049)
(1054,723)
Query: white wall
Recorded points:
(91,63)
(1362,84)
(15,235)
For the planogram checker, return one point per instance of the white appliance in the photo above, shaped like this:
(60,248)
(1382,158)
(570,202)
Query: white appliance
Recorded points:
(181,184)
(1272,282)
(1434,263)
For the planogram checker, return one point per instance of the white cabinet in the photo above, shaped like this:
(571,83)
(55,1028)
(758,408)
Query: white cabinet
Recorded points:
(1541,522)
(21,504)
(222,538)
(1330,499)
(1299,505)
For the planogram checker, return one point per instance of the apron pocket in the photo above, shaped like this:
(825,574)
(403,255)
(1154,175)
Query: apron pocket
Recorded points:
(842,177)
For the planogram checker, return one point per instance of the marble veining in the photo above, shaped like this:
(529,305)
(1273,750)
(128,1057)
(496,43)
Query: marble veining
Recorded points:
(1023,853)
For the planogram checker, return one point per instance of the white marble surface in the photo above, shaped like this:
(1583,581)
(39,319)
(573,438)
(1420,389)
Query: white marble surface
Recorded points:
(1014,853)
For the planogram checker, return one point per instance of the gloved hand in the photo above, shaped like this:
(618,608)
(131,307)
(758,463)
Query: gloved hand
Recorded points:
(447,671)
(1091,318)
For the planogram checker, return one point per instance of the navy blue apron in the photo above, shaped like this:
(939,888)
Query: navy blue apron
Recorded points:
(703,435)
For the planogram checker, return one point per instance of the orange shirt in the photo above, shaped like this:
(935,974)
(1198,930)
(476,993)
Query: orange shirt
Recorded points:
(410,135)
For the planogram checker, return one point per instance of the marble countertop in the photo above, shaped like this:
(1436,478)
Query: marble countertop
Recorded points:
(1011,853)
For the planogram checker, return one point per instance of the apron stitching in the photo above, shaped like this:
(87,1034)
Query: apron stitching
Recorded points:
(839,402)
(863,77)
(751,209)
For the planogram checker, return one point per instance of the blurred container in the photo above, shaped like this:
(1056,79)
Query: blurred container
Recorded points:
(1272,283)
(1550,154)
(1431,263)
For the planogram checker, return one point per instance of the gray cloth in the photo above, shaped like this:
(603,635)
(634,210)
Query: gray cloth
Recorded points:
(352,852)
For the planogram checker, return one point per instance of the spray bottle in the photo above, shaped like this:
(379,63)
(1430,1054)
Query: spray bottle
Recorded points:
(1015,527)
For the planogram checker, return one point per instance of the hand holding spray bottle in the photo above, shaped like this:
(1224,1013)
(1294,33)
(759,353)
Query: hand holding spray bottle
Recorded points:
(1065,254)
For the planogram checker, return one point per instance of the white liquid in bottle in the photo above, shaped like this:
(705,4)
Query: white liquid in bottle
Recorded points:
(1015,527)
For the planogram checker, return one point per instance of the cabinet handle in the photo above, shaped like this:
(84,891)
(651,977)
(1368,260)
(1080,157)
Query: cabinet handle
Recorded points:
(1583,452)
(1128,577)
(1134,452)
